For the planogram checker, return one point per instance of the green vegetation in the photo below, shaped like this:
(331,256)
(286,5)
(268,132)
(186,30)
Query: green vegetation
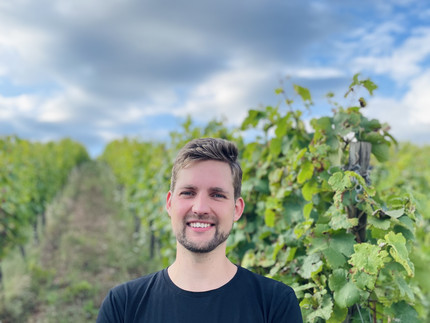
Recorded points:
(30,176)
(336,209)
(85,249)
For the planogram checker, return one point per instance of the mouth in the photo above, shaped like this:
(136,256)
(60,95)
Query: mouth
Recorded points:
(200,225)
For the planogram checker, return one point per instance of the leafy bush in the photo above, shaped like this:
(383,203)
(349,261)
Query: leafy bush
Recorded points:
(313,219)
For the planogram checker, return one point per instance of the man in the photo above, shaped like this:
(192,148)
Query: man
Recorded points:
(202,285)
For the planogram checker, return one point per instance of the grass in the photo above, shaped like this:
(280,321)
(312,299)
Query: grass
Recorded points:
(86,248)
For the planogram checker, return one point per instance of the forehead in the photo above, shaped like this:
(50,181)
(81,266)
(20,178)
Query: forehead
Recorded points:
(213,172)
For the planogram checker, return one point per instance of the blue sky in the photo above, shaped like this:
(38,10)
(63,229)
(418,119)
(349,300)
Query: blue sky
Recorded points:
(99,70)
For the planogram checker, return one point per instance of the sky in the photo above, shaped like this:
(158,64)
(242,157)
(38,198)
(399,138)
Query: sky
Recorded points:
(98,70)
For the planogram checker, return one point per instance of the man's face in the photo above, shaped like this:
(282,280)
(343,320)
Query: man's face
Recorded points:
(202,206)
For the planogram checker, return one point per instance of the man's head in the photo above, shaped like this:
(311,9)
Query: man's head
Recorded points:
(209,149)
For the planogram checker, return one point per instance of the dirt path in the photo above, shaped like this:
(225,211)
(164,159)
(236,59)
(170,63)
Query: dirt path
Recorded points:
(86,249)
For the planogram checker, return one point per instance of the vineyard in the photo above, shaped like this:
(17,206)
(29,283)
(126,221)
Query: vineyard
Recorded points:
(30,175)
(336,208)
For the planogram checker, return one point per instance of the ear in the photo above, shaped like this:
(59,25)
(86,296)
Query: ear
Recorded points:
(168,202)
(238,208)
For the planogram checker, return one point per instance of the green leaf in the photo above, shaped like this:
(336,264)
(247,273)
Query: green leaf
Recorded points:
(248,259)
(334,257)
(347,296)
(404,288)
(278,247)
(395,214)
(282,126)
(309,189)
(368,258)
(307,209)
(323,311)
(340,220)
(345,293)
(299,156)
(381,151)
(266,262)
(344,242)
(383,224)
(279,90)
(275,147)
(403,312)
(302,228)
(337,279)
(252,119)
(312,265)
(275,175)
(269,217)
(370,86)
(324,123)
(398,250)
(354,80)
(364,280)
(300,288)
(306,172)
(373,137)
(338,315)
(406,222)
(317,244)
(303,92)
(339,182)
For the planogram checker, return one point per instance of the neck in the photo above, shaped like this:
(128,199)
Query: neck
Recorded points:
(198,272)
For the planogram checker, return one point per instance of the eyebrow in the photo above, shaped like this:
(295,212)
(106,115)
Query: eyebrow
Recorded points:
(212,189)
(218,189)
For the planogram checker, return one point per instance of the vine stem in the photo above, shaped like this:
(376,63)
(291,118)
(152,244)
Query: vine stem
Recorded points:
(359,312)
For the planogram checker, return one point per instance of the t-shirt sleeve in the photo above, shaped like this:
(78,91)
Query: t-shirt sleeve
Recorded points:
(287,309)
(112,309)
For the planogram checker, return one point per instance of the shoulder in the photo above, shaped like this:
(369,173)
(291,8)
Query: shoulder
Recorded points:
(124,297)
(278,299)
(264,283)
(137,285)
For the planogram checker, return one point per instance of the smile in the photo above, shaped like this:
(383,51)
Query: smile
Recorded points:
(199,225)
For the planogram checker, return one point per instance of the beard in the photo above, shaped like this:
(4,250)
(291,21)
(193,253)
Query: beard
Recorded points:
(205,247)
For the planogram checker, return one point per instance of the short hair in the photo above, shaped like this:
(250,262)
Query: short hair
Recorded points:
(209,149)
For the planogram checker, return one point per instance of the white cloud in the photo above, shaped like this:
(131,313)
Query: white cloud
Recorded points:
(54,110)
(418,100)
(408,117)
(228,94)
(401,63)
(315,73)
(96,69)
(16,107)
(107,135)
(23,51)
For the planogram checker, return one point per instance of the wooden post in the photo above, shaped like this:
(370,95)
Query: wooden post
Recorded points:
(35,230)
(1,279)
(359,158)
(359,162)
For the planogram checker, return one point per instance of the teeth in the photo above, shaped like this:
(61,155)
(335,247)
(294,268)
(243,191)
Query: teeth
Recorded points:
(199,225)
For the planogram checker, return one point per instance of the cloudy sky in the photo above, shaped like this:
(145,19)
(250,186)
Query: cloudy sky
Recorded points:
(102,69)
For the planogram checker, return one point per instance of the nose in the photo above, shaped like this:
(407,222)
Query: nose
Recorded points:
(200,205)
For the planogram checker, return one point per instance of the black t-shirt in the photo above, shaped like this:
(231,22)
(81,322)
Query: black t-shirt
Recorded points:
(246,298)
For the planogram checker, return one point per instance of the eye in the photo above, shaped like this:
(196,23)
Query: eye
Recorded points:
(186,193)
(219,195)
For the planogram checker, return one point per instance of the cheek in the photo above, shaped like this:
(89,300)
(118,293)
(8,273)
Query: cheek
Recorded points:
(177,210)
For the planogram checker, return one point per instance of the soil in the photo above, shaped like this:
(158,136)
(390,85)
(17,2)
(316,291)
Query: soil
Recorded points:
(85,249)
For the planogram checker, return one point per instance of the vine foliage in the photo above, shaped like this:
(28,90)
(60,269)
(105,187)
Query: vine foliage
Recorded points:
(313,219)
(316,223)
(30,176)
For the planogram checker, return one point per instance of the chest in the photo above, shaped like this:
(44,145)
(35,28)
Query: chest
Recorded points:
(222,307)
